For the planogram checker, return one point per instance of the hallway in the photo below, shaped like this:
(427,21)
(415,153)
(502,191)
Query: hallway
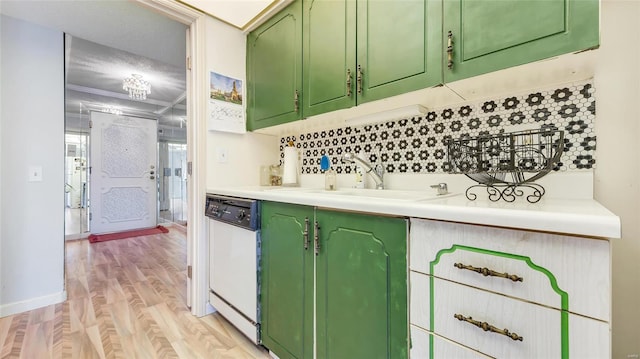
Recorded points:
(126,299)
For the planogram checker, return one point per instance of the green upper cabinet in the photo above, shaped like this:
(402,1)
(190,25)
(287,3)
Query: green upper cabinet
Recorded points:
(287,280)
(329,55)
(318,56)
(274,70)
(495,34)
(399,46)
(365,50)
(361,286)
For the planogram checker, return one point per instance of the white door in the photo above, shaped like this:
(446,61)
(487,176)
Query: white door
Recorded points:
(123,173)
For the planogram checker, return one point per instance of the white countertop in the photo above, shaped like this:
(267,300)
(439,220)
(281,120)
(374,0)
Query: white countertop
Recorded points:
(585,217)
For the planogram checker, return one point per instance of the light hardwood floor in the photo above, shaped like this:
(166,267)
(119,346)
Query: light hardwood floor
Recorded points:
(126,299)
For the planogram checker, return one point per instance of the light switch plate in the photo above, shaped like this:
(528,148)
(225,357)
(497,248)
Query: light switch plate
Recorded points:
(222,155)
(35,174)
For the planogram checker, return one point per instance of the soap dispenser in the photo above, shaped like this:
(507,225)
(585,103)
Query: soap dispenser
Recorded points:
(329,174)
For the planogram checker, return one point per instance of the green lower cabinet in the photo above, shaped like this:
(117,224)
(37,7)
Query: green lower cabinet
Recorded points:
(360,284)
(286,293)
(496,34)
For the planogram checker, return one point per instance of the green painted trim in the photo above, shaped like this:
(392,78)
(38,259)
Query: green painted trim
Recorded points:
(564,296)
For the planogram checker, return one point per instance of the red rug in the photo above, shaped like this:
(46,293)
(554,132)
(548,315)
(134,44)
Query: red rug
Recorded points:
(93,238)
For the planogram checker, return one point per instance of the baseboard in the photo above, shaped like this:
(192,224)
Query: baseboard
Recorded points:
(77,236)
(31,304)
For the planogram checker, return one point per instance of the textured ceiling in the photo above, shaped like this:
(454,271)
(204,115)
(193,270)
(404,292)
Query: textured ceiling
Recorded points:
(108,40)
(95,73)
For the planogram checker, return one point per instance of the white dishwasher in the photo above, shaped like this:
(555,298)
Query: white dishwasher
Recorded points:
(234,255)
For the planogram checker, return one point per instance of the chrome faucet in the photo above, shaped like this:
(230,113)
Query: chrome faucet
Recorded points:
(376,171)
(441,188)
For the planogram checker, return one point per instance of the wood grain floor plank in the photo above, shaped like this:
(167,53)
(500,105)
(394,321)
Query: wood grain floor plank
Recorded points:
(126,299)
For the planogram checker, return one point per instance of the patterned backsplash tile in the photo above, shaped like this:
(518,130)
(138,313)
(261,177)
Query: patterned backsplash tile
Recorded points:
(418,144)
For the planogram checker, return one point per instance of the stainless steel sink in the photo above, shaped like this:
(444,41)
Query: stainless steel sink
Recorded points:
(376,193)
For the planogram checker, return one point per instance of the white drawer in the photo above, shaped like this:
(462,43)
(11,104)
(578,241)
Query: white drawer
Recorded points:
(545,332)
(442,348)
(563,272)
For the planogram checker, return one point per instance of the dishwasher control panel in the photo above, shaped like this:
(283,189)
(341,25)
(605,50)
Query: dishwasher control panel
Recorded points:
(237,211)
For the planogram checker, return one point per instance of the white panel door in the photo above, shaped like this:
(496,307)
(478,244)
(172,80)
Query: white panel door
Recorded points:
(123,173)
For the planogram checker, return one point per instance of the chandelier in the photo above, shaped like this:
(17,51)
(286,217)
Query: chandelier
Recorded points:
(112,110)
(137,87)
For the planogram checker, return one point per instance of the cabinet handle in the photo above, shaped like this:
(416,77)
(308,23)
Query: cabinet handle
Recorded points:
(296,101)
(450,50)
(359,78)
(488,272)
(305,234)
(488,327)
(316,238)
(348,82)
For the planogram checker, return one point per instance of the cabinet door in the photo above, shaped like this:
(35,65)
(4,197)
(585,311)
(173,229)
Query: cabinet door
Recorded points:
(329,39)
(399,46)
(287,280)
(274,70)
(495,34)
(361,285)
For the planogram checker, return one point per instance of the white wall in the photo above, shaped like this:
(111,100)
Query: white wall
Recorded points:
(617,176)
(32,122)
(226,53)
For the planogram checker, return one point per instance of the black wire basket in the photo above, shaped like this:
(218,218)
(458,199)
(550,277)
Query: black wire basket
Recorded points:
(507,164)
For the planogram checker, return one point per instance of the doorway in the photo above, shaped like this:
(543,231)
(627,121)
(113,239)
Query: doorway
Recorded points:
(194,24)
(173,182)
(110,83)
(76,185)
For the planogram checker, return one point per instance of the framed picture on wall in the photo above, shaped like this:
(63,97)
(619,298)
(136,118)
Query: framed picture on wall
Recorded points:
(226,110)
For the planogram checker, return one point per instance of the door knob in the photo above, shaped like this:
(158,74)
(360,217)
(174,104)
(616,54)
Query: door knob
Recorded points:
(152,177)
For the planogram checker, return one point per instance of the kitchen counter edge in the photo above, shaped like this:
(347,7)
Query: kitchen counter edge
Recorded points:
(582,217)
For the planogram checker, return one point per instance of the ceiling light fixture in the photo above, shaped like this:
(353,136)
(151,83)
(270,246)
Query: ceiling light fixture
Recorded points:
(112,110)
(137,87)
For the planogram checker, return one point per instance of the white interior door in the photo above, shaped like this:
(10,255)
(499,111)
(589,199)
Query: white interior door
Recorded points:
(123,173)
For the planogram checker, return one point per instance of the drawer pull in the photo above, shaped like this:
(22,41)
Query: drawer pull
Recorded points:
(488,327)
(488,272)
